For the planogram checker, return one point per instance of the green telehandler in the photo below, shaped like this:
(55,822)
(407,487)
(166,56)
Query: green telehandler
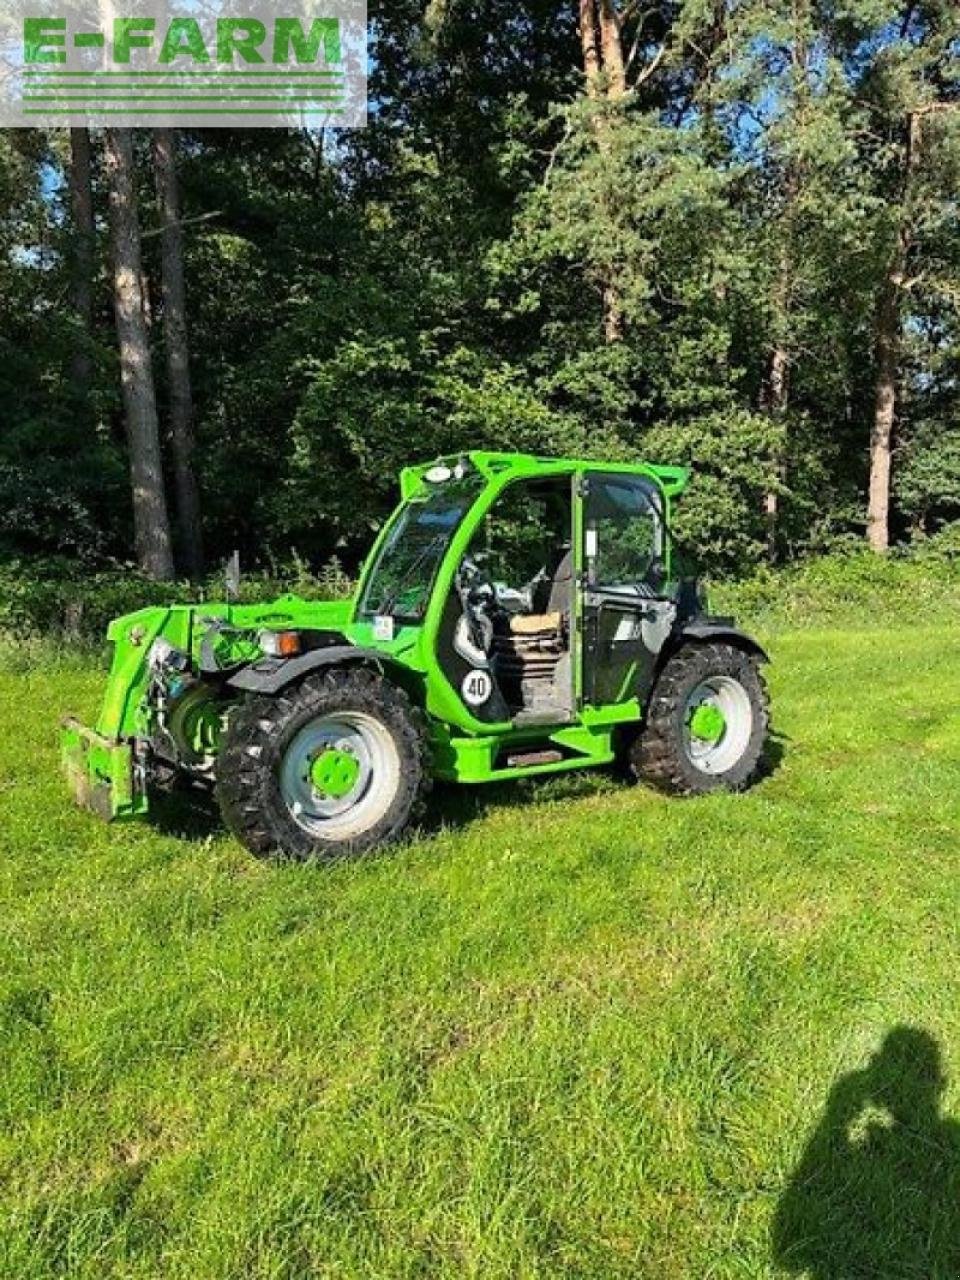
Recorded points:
(517,616)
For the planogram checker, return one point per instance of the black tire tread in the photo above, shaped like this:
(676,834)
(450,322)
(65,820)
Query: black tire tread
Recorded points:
(657,756)
(247,792)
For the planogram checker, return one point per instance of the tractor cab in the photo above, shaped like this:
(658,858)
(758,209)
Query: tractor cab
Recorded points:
(542,586)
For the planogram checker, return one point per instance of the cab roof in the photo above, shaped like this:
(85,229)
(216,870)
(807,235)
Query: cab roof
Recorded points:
(493,466)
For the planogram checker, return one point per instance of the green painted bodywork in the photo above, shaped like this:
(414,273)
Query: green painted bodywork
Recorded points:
(101,772)
(463,748)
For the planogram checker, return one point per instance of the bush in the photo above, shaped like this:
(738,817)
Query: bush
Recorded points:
(50,598)
(854,588)
(944,545)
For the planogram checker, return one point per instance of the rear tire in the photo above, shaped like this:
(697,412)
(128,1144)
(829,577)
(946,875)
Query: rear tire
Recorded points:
(706,724)
(329,768)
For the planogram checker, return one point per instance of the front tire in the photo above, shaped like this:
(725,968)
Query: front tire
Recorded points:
(707,722)
(329,768)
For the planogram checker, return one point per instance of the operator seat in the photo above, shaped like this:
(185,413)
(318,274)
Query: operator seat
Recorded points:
(552,597)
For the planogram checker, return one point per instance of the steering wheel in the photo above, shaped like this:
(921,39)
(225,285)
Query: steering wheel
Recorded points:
(476,583)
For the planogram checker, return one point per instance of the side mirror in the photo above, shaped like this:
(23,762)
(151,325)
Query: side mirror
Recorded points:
(657,573)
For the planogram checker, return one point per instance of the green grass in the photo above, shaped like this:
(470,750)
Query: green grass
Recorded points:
(577,1030)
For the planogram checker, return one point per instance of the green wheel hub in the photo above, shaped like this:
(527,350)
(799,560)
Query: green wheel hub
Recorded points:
(707,723)
(334,773)
(340,774)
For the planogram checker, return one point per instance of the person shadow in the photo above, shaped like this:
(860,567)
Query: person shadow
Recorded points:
(876,1193)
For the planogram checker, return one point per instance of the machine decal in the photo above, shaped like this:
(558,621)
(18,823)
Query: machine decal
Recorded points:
(476,688)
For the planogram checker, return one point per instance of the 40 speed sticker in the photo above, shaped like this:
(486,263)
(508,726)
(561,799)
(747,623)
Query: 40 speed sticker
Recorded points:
(476,688)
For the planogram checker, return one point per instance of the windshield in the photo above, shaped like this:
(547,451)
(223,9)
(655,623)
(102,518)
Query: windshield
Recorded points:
(401,578)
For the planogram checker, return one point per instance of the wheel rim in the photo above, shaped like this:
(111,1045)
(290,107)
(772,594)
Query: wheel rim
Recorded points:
(339,775)
(717,724)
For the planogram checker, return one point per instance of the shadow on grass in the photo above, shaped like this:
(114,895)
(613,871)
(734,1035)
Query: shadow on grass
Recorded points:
(188,813)
(774,751)
(453,805)
(192,814)
(877,1191)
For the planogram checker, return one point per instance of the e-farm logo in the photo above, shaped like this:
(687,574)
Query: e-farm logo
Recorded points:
(198,64)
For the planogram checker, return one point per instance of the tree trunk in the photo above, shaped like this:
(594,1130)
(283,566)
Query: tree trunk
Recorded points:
(604,70)
(776,392)
(589,45)
(612,311)
(611,44)
(82,262)
(888,351)
(150,522)
(776,397)
(174,297)
(884,414)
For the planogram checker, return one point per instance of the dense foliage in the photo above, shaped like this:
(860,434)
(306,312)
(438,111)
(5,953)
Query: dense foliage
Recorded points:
(46,610)
(691,269)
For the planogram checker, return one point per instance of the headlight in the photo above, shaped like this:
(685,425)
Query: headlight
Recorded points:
(279,644)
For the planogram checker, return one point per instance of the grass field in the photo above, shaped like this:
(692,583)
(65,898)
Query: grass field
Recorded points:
(575,1030)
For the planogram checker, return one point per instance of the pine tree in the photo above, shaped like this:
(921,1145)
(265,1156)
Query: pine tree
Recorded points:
(176,342)
(151,524)
(82,263)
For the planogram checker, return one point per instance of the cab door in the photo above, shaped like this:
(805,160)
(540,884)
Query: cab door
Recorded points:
(518,569)
(626,617)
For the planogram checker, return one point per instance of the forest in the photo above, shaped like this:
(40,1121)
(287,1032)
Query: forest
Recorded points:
(721,233)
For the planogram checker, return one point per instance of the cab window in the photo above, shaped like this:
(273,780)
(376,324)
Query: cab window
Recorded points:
(401,579)
(624,530)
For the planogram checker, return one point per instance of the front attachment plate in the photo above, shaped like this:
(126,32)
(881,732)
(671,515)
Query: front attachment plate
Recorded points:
(102,772)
